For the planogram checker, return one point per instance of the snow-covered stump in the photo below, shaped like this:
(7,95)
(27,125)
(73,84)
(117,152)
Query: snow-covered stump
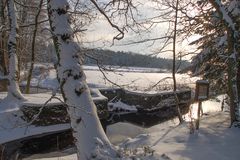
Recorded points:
(91,141)
(13,86)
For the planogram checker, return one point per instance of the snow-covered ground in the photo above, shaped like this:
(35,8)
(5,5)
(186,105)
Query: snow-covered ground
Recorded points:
(214,140)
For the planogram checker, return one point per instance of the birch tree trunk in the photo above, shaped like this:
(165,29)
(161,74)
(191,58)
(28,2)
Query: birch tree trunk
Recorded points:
(13,87)
(90,138)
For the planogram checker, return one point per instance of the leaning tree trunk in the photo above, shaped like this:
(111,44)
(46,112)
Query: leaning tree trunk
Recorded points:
(91,140)
(13,87)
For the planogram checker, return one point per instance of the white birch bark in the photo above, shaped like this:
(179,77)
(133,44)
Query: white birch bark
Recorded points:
(91,141)
(13,87)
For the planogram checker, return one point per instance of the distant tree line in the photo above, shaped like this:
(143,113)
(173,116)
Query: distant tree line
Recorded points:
(120,58)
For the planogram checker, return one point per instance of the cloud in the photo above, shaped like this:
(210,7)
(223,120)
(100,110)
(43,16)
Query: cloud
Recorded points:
(100,34)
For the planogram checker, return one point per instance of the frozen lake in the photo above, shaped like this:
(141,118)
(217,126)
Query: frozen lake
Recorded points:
(139,81)
(135,79)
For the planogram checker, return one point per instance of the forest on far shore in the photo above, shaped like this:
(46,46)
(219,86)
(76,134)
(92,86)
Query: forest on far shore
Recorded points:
(130,59)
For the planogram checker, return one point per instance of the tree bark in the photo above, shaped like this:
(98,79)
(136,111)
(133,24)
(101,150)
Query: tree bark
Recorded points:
(232,85)
(198,115)
(91,141)
(233,61)
(174,63)
(33,47)
(13,87)
(3,43)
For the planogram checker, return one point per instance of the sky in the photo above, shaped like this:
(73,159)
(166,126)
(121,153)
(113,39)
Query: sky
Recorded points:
(100,34)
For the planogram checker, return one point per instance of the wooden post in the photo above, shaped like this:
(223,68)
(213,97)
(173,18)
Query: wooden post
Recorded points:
(201,110)
(198,114)
(201,94)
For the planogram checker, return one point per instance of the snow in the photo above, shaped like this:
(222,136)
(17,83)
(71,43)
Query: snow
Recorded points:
(13,25)
(225,15)
(213,141)
(13,127)
(13,87)
(223,40)
(121,106)
(86,127)
(127,69)
(37,100)
(96,94)
(60,20)
(137,80)
(25,131)
(234,7)
(8,104)
(32,100)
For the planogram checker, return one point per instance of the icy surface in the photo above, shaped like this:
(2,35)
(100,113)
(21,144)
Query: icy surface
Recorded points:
(135,79)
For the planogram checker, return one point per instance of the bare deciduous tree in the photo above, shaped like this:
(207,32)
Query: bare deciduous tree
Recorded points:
(13,87)
(33,47)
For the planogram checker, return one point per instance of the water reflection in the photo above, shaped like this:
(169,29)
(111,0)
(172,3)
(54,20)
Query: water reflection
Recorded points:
(121,131)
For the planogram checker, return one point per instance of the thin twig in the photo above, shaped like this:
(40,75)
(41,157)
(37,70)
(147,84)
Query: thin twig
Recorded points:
(121,33)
